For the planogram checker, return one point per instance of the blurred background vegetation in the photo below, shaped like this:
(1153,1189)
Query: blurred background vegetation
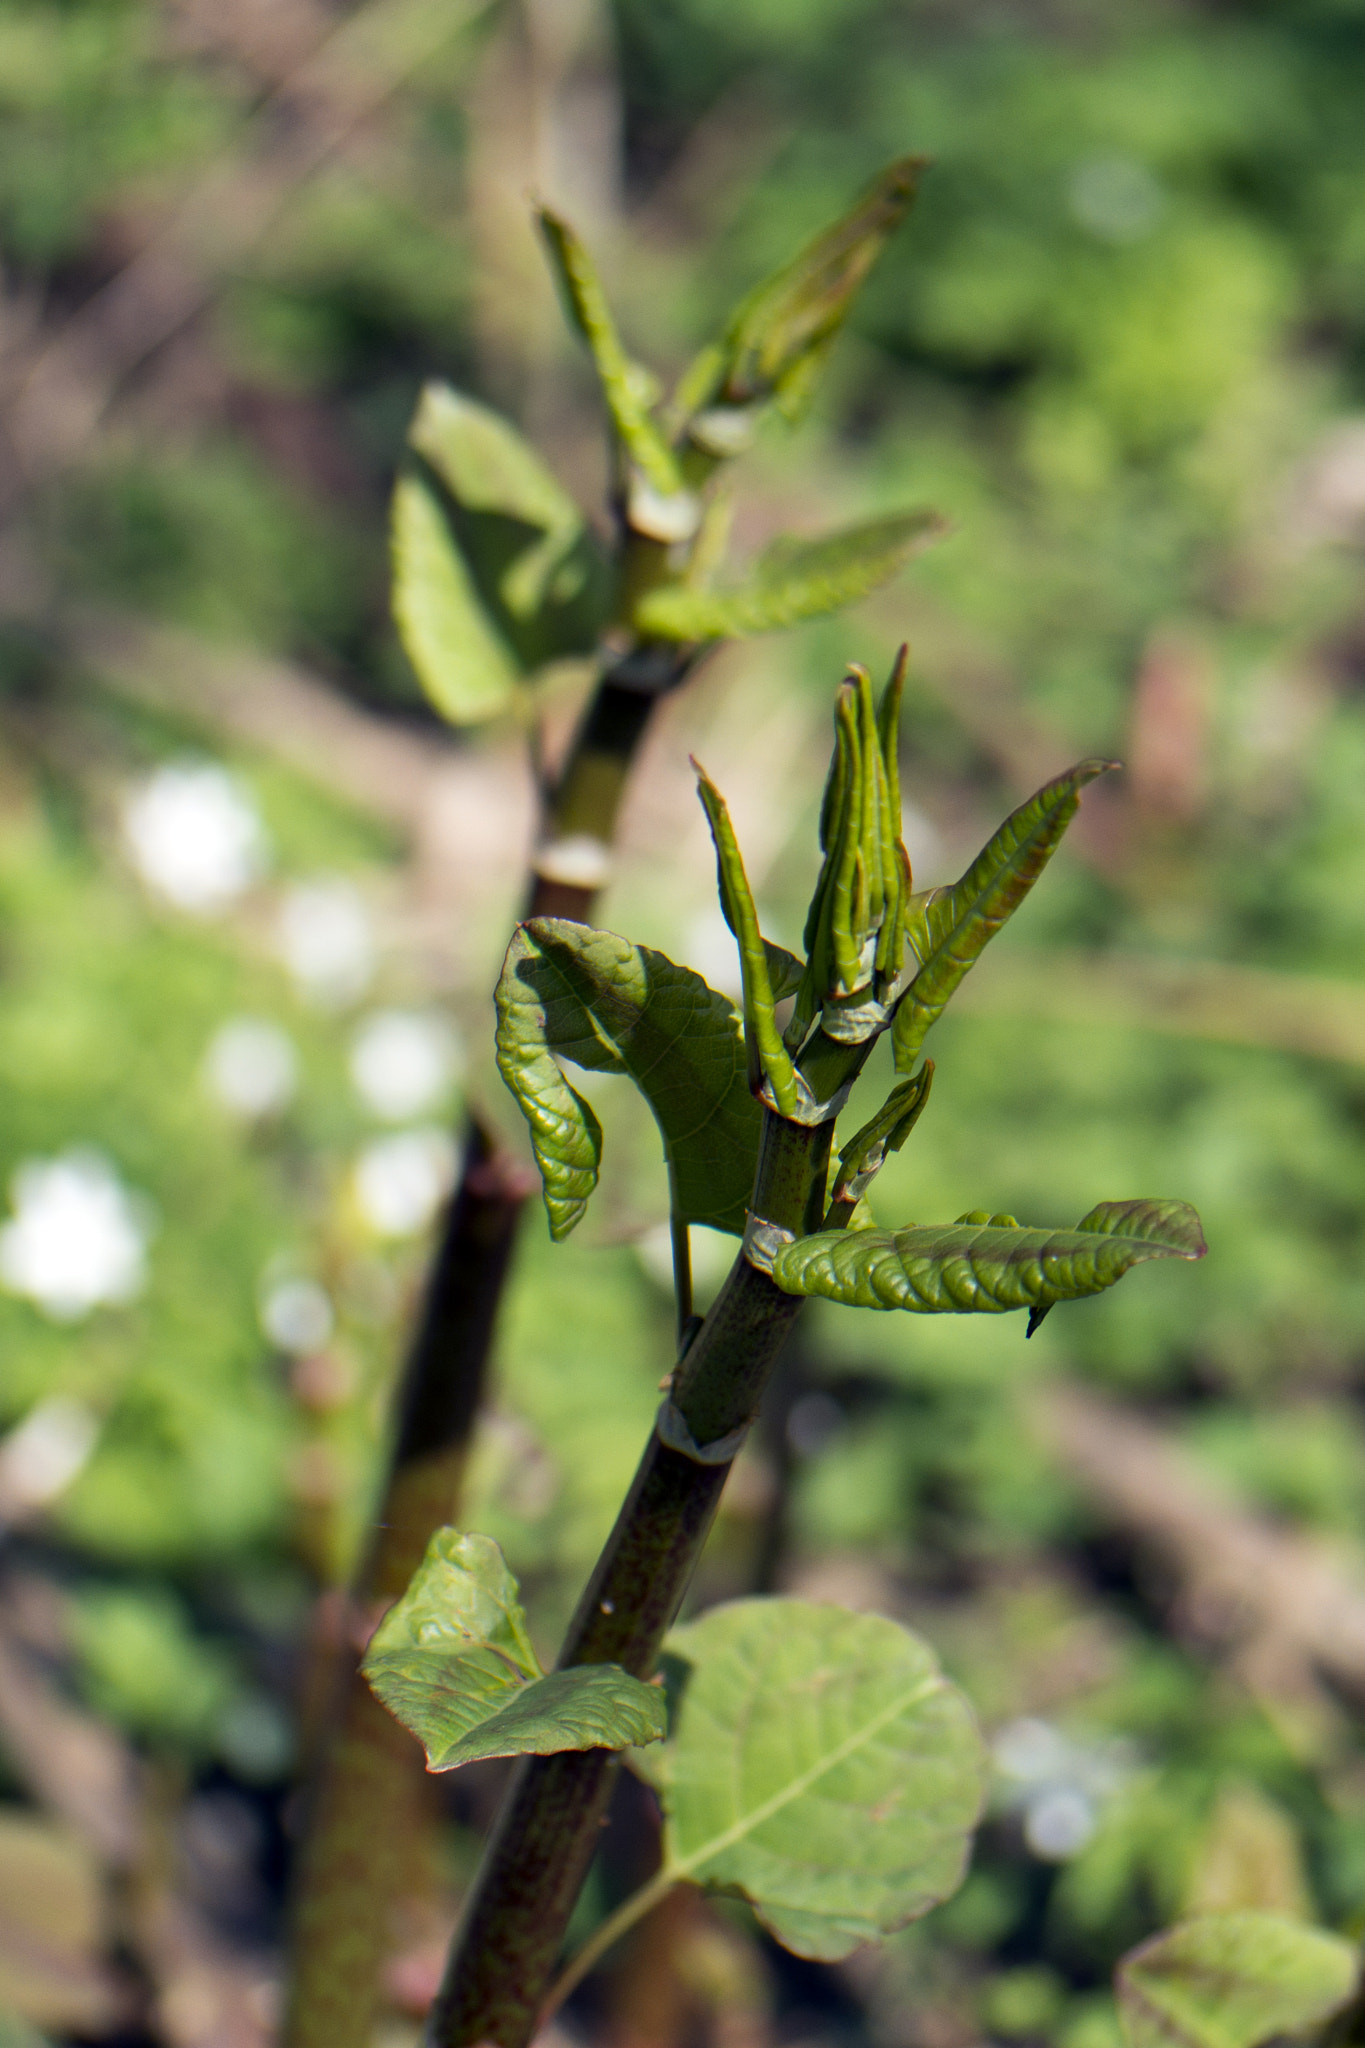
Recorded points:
(252,898)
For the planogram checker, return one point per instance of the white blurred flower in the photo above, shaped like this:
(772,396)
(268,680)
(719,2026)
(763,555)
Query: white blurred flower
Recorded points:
(40,1458)
(1059,1822)
(297,1315)
(327,941)
(401,1181)
(195,835)
(403,1062)
(1058,1783)
(1116,197)
(252,1066)
(78,1236)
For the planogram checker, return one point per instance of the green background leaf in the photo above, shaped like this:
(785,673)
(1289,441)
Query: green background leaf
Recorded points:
(820,1764)
(568,992)
(794,580)
(969,1268)
(1232,1980)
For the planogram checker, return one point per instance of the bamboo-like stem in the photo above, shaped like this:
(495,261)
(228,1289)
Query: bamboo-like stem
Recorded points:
(514,1921)
(366,1801)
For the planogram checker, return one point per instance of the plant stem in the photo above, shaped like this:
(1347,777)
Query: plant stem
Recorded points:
(547,1832)
(366,1802)
(608,1934)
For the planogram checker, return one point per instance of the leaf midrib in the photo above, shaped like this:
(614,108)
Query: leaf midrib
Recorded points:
(797,1787)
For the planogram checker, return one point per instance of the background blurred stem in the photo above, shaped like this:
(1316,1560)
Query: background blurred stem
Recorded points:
(364,1816)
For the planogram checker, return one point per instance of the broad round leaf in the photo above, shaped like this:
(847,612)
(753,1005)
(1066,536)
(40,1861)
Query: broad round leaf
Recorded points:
(461,661)
(821,1765)
(974,1269)
(1231,1980)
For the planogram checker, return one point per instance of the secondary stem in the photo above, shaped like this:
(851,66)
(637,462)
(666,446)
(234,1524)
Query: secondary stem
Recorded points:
(367,1798)
(607,1935)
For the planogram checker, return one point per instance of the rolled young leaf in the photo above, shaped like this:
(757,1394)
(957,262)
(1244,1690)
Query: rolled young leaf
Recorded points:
(793,581)
(947,928)
(568,992)
(1232,1980)
(767,1056)
(819,1764)
(626,386)
(974,1268)
(452,1661)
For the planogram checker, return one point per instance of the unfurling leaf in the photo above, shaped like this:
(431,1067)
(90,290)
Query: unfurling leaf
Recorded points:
(627,386)
(793,581)
(855,927)
(767,1056)
(1232,1980)
(866,1152)
(568,992)
(987,1267)
(947,928)
(777,337)
(820,1765)
(453,1662)
(531,558)
(461,660)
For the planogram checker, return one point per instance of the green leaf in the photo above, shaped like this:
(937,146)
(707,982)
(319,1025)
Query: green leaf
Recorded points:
(461,661)
(975,1267)
(946,929)
(863,1157)
(464,1708)
(821,1765)
(793,581)
(568,992)
(777,337)
(767,1055)
(1232,1980)
(453,1662)
(533,562)
(627,386)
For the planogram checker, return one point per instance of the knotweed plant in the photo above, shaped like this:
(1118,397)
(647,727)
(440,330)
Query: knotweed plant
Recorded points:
(813,1761)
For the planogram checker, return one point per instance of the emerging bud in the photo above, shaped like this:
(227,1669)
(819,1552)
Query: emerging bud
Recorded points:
(855,931)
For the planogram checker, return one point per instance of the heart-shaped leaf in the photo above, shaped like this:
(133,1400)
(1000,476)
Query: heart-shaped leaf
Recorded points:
(568,992)
(975,1267)
(1231,1980)
(794,580)
(534,565)
(820,1764)
(460,659)
(946,929)
(452,1661)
